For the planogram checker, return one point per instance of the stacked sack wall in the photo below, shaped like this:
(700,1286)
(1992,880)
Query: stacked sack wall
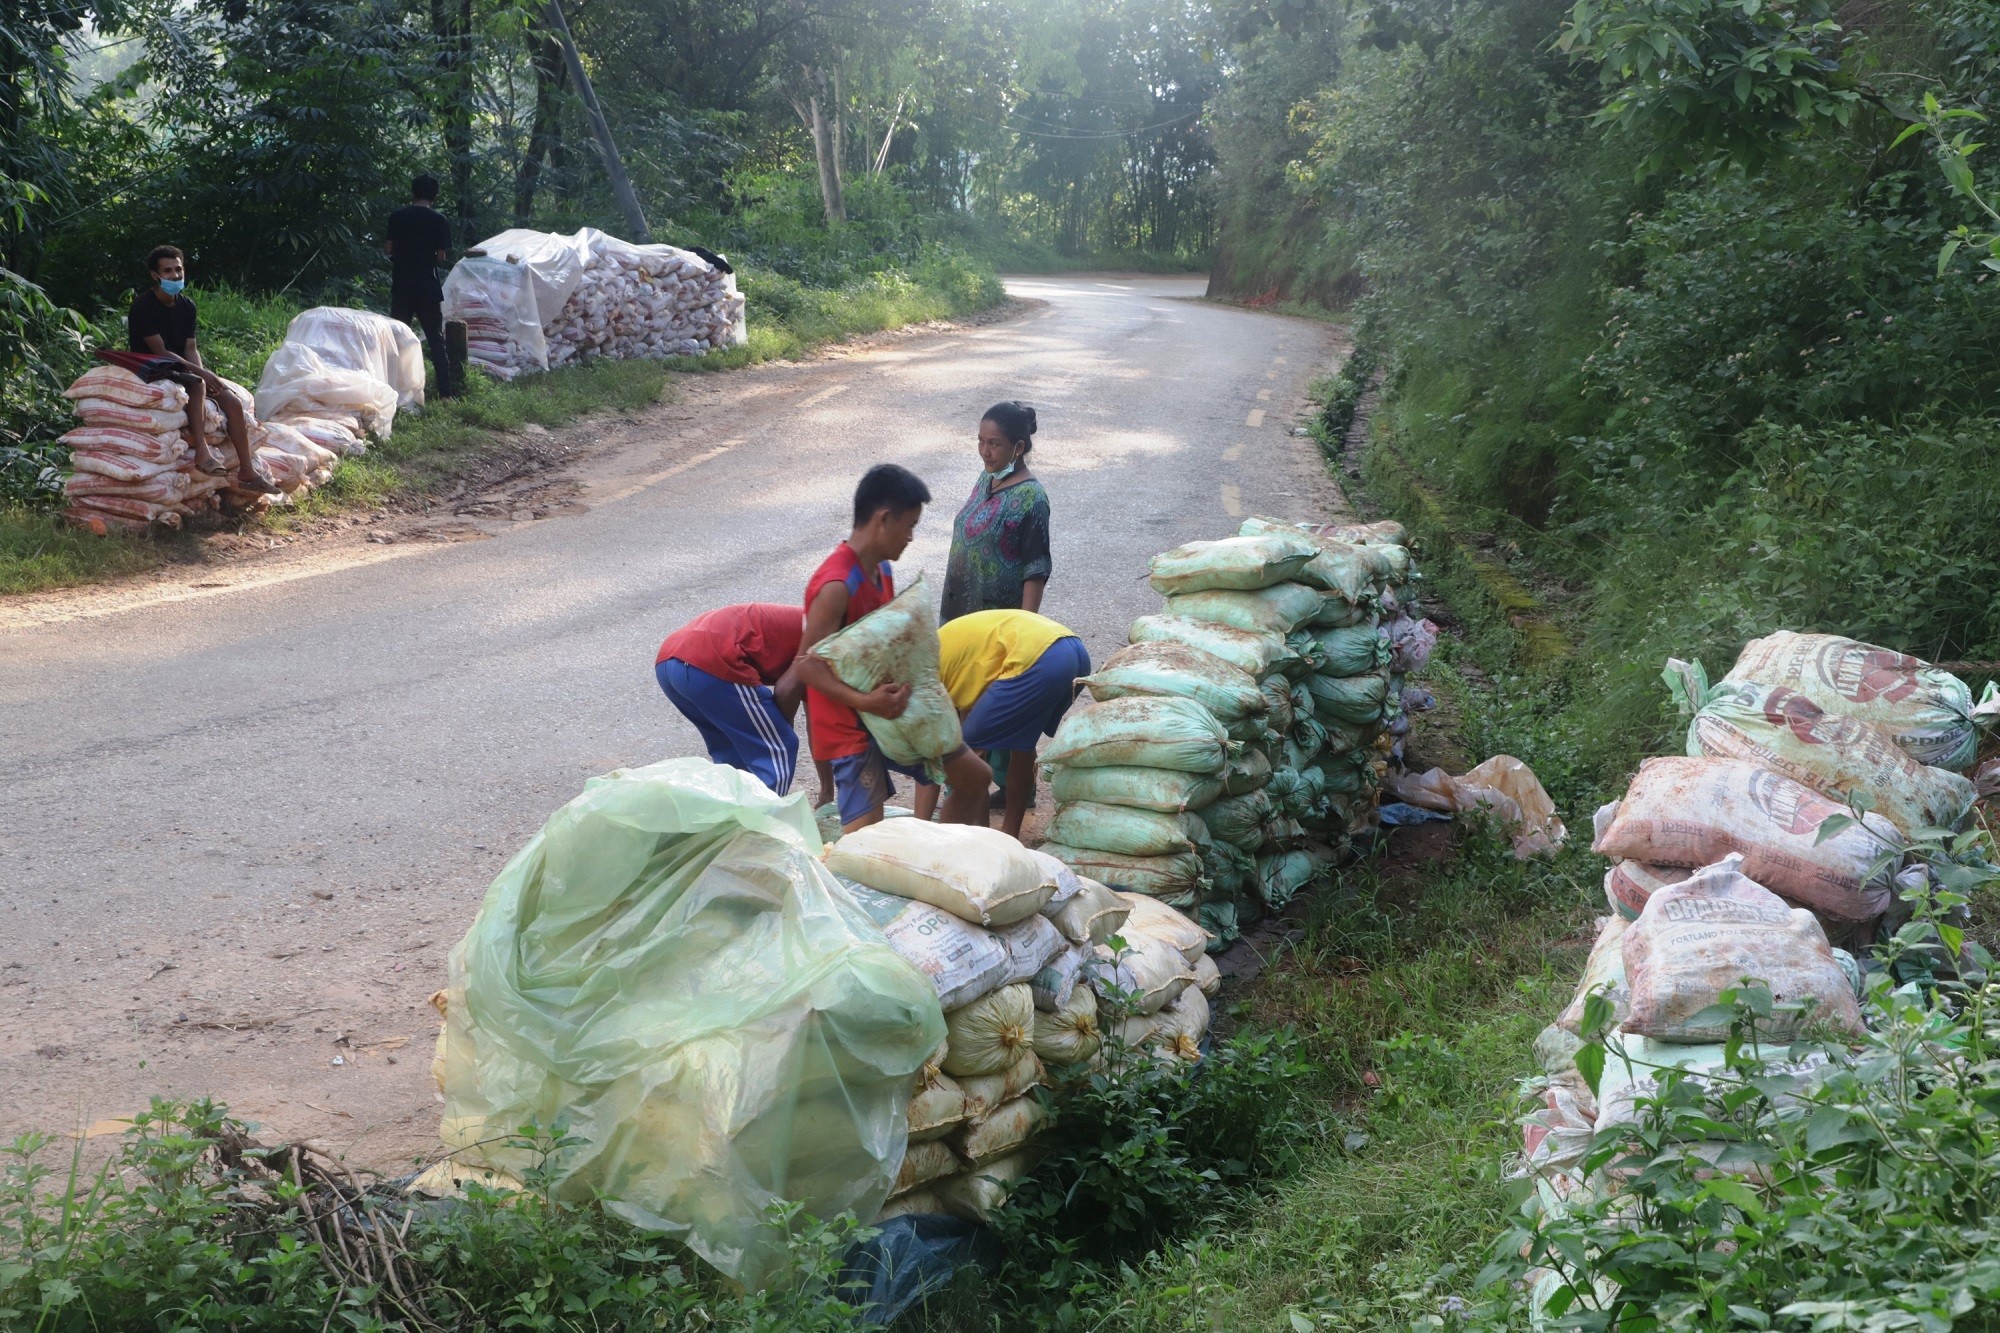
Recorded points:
(1719,873)
(1236,748)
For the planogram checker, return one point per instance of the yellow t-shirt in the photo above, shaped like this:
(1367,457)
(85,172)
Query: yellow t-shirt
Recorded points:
(976,650)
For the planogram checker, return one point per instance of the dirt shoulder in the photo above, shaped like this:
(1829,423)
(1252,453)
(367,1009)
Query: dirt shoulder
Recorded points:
(518,476)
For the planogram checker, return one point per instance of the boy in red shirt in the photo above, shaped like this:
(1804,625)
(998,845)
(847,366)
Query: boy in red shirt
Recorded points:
(730,673)
(856,579)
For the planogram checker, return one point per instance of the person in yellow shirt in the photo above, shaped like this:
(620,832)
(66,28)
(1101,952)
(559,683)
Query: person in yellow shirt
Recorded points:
(1011,675)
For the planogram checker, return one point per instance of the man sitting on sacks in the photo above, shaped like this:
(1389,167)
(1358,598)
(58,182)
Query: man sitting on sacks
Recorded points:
(162,324)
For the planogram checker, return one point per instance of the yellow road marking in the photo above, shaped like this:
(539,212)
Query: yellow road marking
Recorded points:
(656,478)
(1232,500)
(1263,395)
(1277,361)
(813,400)
(1270,374)
(1233,452)
(1256,417)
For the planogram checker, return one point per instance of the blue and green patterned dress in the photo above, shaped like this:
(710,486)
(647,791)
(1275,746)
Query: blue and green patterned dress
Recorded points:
(999,541)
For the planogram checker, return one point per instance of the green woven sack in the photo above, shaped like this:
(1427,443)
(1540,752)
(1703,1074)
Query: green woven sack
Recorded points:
(1180,670)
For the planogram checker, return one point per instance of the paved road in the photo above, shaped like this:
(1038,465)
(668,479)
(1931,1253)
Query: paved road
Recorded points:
(243,827)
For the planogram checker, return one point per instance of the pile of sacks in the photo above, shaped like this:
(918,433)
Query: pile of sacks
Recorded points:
(1017,948)
(532,300)
(1720,871)
(340,376)
(132,470)
(1238,744)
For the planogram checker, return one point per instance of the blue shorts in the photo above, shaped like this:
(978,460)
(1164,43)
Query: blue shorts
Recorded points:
(1014,714)
(740,724)
(861,781)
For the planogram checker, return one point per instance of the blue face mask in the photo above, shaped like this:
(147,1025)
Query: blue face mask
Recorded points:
(172,286)
(997,477)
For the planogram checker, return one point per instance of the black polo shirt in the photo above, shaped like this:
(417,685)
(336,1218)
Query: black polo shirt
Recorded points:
(173,323)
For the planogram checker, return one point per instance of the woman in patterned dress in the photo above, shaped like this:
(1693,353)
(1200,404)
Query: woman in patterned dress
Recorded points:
(1000,541)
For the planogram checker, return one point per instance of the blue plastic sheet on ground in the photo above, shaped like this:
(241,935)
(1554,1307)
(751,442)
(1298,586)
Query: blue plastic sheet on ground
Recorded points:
(1401,814)
(912,1258)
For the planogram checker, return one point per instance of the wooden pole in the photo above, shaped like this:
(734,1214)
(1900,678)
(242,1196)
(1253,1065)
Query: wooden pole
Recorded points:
(607,148)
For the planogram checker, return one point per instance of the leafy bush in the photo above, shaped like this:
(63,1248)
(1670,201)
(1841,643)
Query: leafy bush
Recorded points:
(1138,1153)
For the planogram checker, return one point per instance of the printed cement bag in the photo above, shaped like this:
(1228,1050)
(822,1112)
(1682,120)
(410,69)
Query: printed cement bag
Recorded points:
(1053,985)
(977,1194)
(962,960)
(1927,711)
(1069,1035)
(1163,789)
(1257,654)
(1232,563)
(1158,921)
(115,384)
(1694,812)
(668,965)
(1093,916)
(898,641)
(991,1033)
(1782,730)
(1001,1132)
(1628,884)
(1032,943)
(1141,732)
(1176,880)
(977,874)
(1221,687)
(1603,972)
(923,1163)
(986,1093)
(1278,609)
(1128,831)
(1699,938)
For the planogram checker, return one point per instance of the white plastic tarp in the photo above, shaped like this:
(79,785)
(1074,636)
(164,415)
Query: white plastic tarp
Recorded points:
(298,381)
(497,298)
(364,341)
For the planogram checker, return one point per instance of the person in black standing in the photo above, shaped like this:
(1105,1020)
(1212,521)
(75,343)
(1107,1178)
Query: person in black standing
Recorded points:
(417,239)
(161,324)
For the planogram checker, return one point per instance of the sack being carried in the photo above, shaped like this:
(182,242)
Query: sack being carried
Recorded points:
(898,641)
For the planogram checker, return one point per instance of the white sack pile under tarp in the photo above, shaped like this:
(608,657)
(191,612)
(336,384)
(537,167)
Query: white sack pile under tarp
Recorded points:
(340,376)
(532,300)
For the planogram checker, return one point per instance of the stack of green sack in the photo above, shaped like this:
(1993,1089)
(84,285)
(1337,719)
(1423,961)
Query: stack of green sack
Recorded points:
(1229,756)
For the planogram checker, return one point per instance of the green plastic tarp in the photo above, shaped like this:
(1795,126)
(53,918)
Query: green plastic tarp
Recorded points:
(668,967)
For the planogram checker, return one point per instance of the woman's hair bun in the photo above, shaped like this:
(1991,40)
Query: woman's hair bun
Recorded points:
(1015,419)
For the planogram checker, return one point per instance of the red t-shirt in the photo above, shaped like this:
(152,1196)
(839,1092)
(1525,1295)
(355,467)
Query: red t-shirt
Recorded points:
(751,644)
(836,728)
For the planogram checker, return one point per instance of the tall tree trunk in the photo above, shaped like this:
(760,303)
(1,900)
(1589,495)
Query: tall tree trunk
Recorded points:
(544,141)
(607,147)
(826,153)
(458,130)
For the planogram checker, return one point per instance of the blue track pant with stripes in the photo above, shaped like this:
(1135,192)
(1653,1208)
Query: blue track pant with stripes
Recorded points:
(740,724)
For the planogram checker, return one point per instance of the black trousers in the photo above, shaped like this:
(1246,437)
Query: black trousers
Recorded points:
(428,310)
